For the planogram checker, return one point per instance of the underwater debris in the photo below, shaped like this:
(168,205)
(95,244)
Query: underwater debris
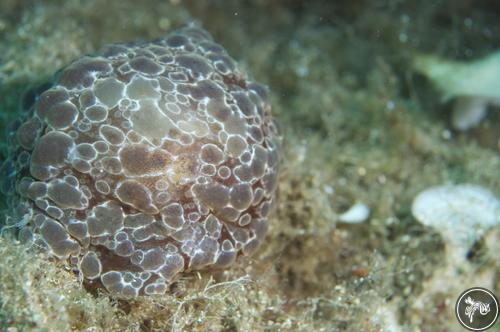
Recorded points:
(460,213)
(144,161)
(356,214)
(468,112)
(473,86)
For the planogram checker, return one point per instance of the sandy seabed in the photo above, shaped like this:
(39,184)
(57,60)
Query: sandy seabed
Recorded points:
(360,126)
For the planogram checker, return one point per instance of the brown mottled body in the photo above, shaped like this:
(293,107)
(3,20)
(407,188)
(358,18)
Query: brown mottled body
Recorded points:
(144,161)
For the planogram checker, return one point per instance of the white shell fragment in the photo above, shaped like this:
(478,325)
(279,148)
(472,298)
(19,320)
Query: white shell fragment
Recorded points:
(356,214)
(468,112)
(461,213)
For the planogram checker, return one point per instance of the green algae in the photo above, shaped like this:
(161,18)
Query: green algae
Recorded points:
(359,126)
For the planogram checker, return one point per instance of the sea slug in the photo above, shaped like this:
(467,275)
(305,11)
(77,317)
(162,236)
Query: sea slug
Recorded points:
(144,161)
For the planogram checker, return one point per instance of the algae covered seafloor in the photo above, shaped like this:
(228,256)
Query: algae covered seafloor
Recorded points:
(360,126)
